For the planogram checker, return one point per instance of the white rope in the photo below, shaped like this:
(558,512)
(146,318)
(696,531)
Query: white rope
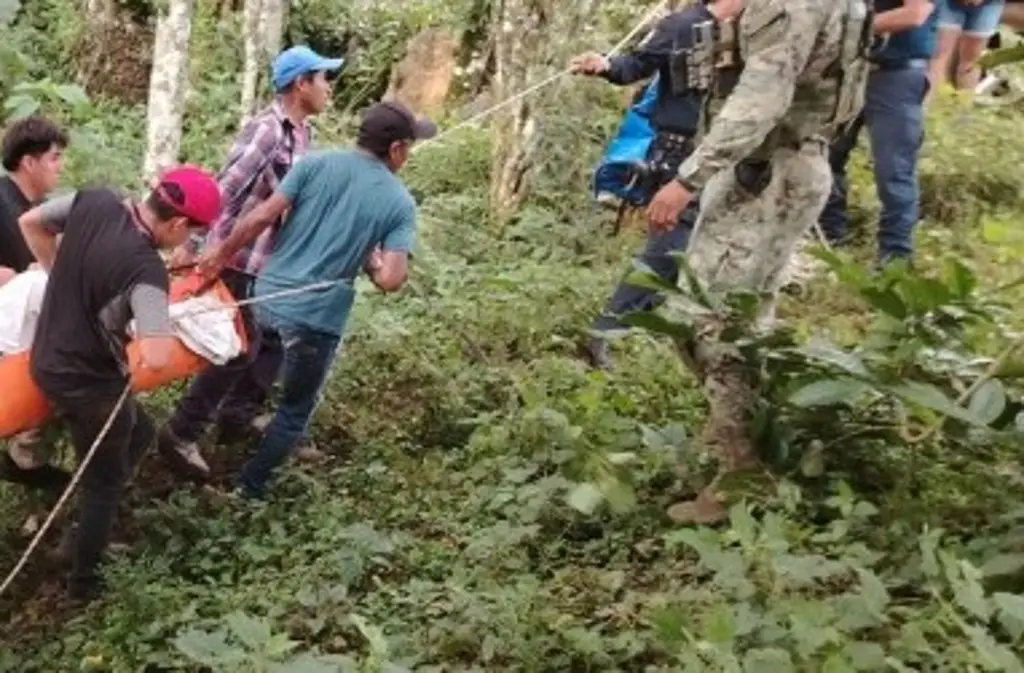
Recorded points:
(539,85)
(67,492)
(310,287)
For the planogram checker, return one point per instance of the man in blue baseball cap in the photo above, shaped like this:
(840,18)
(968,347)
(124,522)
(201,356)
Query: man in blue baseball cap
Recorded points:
(233,395)
(300,61)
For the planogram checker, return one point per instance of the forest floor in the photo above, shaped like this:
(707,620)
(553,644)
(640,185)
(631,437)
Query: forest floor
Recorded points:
(440,536)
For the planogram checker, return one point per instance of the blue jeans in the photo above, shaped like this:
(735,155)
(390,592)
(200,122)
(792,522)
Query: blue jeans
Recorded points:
(308,356)
(976,21)
(894,117)
(629,298)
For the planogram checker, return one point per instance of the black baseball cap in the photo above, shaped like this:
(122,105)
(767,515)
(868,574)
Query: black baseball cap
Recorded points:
(390,121)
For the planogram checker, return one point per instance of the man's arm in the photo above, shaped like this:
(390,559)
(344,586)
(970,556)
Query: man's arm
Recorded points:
(252,225)
(389,266)
(639,64)
(911,15)
(779,45)
(153,331)
(41,227)
(248,158)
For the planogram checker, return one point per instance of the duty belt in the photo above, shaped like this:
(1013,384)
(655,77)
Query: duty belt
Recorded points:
(668,150)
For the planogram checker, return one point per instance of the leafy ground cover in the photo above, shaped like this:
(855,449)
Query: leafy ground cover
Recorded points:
(491,504)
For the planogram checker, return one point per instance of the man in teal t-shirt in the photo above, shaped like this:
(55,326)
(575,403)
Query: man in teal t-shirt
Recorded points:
(348,212)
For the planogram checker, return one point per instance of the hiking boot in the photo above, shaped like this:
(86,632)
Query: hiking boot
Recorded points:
(183,458)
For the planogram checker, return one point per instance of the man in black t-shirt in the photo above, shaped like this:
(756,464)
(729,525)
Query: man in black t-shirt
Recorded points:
(32,153)
(105,273)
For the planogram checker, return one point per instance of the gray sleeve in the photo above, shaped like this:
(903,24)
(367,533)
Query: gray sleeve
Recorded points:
(149,307)
(54,213)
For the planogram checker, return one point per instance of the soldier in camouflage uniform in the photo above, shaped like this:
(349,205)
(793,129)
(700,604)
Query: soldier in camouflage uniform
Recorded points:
(798,72)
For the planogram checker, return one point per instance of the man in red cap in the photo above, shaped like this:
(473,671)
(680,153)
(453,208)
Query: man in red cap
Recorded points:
(106,273)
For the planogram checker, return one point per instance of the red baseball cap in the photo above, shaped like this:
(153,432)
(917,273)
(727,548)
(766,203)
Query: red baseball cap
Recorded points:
(200,196)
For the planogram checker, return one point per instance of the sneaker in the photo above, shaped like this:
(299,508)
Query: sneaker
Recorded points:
(183,458)
(262,422)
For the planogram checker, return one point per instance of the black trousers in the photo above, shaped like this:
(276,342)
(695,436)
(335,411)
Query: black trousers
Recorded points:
(236,391)
(104,480)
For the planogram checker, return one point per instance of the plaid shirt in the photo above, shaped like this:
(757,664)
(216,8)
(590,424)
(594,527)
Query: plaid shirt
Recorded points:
(267,148)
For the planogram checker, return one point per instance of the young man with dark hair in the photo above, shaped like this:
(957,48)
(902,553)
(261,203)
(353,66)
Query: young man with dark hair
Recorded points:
(106,273)
(33,155)
(347,211)
(267,148)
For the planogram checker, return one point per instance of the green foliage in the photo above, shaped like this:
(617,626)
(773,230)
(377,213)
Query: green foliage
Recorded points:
(491,504)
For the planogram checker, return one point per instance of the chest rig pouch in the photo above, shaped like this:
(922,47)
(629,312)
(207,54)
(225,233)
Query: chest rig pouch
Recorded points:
(711,64)
(851,69)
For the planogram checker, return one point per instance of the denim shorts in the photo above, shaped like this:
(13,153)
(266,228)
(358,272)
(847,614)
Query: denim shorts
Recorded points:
(976,21)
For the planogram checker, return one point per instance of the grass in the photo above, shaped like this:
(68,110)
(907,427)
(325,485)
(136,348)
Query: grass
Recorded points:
(459,420)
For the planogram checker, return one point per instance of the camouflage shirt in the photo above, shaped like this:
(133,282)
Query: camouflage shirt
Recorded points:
(783,95)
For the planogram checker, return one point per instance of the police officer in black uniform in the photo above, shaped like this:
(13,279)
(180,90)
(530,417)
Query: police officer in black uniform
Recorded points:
(675,119)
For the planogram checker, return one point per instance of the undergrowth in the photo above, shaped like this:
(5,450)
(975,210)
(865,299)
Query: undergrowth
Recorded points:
(492,504)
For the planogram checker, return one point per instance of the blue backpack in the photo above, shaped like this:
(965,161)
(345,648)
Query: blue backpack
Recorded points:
(628,147)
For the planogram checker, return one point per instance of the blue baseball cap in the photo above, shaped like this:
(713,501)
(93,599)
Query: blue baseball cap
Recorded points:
(297,61)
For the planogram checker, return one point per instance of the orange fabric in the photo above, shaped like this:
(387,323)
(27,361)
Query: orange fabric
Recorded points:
(24,407)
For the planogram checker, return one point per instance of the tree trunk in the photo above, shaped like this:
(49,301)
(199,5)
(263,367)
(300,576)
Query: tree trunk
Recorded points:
(520,35)
(168,84)
(254,47)
(263,26)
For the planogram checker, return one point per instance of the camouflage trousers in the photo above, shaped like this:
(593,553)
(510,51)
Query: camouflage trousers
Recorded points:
(744,240)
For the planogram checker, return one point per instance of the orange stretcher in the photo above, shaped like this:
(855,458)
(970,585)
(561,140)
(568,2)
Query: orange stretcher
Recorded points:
(24,407)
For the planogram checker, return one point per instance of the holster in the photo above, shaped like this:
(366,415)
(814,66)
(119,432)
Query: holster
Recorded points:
(667,152)
(754,175)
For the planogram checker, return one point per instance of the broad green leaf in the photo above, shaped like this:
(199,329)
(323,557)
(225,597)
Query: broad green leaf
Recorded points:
(374,636)
(768,660)
(930,397)
(829,392)
(1011,613)
(743,524)
(962,278)
(253,632)
(886,301)
(659,324)
(210,649)
(1004,56)
(873,591)
(988,401)
(642,276)
(865,656)
(279,645)
(586,498)
(828,353)
(620,495)
(837,663)
(71,94)
(720,625)
(19,107)
(1003,564)
(8,10)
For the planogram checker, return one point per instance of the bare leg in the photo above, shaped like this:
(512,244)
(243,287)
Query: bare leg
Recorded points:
(969,50)
(945,45)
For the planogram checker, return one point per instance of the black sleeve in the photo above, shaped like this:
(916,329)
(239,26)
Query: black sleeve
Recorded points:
(672,33)
(647,58)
